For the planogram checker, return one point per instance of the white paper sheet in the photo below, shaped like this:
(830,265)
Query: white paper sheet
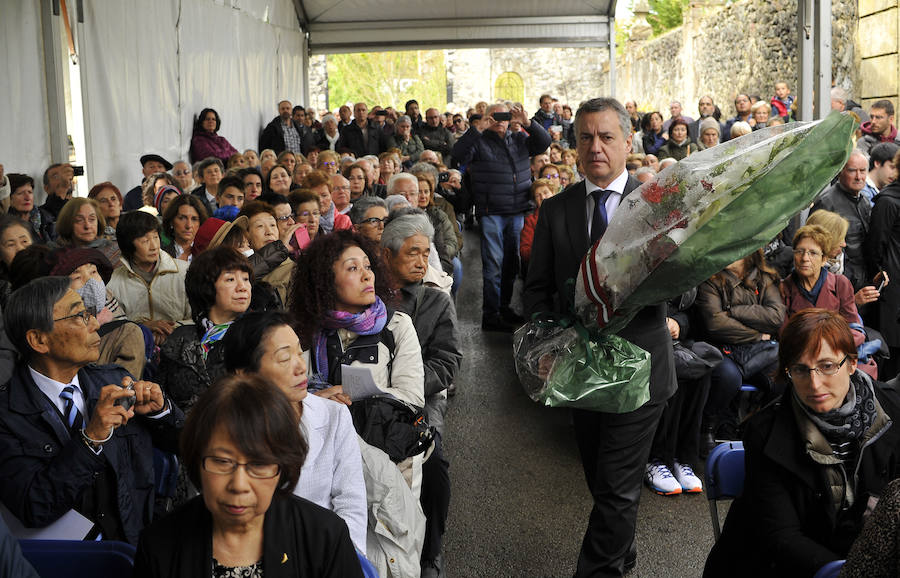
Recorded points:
(358,382)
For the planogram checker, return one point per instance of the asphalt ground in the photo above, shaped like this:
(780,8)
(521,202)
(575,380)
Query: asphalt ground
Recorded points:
(519,502)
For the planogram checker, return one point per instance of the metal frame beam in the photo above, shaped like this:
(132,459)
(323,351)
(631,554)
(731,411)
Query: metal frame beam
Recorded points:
(53,82)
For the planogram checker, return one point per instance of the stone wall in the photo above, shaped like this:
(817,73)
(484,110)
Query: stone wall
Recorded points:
(879,28)
(744,46)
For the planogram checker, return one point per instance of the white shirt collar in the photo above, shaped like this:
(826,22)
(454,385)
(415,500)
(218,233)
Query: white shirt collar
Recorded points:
(52,388)
(617,185)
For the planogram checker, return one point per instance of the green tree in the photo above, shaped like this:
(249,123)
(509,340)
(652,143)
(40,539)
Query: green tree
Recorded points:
(388,78)
(665,14)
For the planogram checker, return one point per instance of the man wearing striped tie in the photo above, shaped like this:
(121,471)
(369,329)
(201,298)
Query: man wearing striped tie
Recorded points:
(74,435)
(614,447)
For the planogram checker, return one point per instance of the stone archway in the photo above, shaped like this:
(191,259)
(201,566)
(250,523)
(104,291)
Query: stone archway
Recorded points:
(509,86)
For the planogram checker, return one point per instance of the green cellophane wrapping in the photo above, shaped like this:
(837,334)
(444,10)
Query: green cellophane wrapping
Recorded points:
(613,376)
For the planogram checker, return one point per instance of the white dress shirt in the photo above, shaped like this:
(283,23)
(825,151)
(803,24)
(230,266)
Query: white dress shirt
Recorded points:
(612,202)
(52,388)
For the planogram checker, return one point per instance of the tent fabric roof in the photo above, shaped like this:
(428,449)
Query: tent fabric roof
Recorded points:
(379,25)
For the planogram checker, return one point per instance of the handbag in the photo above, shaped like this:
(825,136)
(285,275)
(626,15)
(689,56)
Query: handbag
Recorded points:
(395,427)
(694,359)
(753,358)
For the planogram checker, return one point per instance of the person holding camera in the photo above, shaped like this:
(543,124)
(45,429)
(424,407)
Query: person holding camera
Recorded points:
(73,435)
(498,162)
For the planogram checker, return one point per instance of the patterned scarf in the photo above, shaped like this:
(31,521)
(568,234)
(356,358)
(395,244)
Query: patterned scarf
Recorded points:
(326,220)
(369,322)
(853,419)
(213,334)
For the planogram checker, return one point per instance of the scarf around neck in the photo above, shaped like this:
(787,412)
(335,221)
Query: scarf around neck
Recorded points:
(214,332)
(369,322)
(326,220)
(850,421)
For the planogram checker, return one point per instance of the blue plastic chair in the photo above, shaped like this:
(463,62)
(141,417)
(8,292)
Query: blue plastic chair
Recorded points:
(165,477)
(830,570)
(76,559)
(724,478)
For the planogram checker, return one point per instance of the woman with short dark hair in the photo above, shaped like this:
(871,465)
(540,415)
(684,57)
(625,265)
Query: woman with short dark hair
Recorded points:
(150,284)
(180,222)
(265,344)
(241,446)
(679,145)
(21,206)
(109,198)
(206,142)
(218,284)
(816,462)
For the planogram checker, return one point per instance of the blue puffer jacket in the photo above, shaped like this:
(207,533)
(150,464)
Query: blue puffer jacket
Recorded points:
(500,168)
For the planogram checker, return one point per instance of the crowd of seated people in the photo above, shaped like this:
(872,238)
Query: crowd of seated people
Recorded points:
(336,250)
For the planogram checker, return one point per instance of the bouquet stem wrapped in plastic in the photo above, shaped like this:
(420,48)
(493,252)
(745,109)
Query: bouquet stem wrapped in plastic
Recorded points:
(677,230)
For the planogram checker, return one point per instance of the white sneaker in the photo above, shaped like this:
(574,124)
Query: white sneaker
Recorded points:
(689,481)
(661,480)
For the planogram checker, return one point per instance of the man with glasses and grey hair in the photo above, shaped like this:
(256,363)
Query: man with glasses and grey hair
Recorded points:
(614,447)
(406,244)
(73,435)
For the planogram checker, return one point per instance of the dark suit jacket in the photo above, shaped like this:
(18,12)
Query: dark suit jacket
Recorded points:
(47,470)
(560,243)
(300,539)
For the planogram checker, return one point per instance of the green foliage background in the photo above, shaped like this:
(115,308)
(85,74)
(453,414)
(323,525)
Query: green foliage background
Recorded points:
(388,79)
(665,14)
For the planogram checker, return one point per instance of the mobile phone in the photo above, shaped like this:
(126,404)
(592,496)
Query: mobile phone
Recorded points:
(881,285)
(301,237)
(474,117)
(78,170)
(501,116)
(126,402)
(556,127)
(381,113)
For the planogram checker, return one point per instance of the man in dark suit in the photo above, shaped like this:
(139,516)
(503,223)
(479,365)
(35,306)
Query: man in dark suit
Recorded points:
(362,136)
(614,447)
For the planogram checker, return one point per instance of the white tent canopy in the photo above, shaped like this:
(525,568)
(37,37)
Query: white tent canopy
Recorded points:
(371,25)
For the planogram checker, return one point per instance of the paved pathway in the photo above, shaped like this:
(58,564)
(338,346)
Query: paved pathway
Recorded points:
(520,503)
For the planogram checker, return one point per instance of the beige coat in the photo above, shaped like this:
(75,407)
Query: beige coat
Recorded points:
(164,298)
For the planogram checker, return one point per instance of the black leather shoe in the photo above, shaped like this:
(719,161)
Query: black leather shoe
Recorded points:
(630,560)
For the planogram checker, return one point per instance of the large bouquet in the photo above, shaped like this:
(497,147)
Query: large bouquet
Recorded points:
(675,231)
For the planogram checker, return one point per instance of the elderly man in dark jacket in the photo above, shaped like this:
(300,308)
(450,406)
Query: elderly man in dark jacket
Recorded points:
(73,435)
(844,198)
(500,171)
(362,136)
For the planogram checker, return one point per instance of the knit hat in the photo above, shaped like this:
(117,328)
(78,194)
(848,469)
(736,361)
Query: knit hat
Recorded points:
(205,234)
(71,258)
(161,194)
(710,122)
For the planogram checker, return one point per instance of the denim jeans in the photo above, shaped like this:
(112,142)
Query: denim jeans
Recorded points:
(499,260)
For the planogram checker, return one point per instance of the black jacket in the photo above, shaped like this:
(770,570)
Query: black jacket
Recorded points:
(500,167)
(352,138)
(272,137)
(300,539)
(560,243)
(786,523)
(47,471)
(437,139)
(882,251)
(856,210)
(434,318)
(183,373)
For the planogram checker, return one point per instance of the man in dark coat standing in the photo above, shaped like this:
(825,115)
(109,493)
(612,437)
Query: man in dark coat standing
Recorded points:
(284,134)
(499,167)
(882,251)
(362,136)
(614,447)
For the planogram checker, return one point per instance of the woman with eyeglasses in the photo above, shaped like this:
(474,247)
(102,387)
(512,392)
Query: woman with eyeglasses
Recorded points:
(816,461)
(305,204)
(329,162)
(241,446)
(368,216)
(810,284)
(356,175)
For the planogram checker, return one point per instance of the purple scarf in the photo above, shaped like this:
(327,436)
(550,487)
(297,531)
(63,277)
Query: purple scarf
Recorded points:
(369,322)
